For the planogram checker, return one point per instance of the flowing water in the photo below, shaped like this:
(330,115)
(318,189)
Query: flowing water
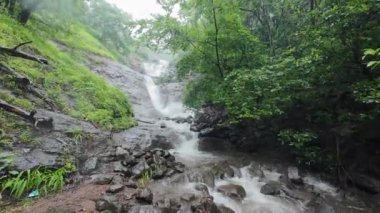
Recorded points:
(186,150)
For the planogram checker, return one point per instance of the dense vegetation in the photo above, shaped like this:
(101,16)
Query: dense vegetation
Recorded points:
(67,33)
(78,30)
(312,66)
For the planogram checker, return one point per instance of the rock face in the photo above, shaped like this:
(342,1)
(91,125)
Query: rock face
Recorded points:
(145,196)
(208,116)
(233,191)
(271,188)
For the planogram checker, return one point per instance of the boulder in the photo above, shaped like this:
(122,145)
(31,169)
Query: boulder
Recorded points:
(255,170)
(233,191)
(90,165)
(115,188)
(145,196)
(202,176)
(160,141)
(224,209)
(222,170)
(118,167)
(208,116)
(144,209)
(121,153)
(210,144)
(365,182)
(131,184)
(141,167)
(294,176)
(102,179)
(201,187)
(271,188)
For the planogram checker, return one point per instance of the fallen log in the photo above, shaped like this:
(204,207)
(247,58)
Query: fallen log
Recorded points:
(38,122)
(16,53)
(26,84)
(18,111)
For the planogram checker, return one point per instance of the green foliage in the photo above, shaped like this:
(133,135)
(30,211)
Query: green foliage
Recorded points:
(145,179)
(43,180)
(6,160)
(303,145)
(69,81)
(298,63)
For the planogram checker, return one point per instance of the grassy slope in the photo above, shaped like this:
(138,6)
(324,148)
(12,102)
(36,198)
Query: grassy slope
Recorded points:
(75,89)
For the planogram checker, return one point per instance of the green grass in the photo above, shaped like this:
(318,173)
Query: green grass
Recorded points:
(43,180)
(66,79)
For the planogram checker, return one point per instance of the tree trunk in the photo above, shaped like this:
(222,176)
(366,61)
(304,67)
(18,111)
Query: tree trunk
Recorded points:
(218,62)
(24,15)
(11,8)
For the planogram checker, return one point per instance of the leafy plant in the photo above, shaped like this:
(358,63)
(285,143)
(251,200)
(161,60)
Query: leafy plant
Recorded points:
(302,145)
(43,180)
(145,178)
(76,134)
(6,160)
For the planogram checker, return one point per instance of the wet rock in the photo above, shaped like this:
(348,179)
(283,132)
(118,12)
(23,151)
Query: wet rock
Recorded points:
(168,204)
(141,167)
(102,179)
(255,170)
(131,184)
(201,187)
(318,205)
(121,153)
(222,170)
(162,125)
(271,188)
(160,141)
(90,165)
(202,176)
(294,176)
(179,167)
(145,195)
(138,153)
(159,172)
(144,209)
(188,197)
(209,144)
(107,203)
(129,161)
(208,116)
(365,182)
(205,205)
(117,179)
(224,209)
(233,191)
(115,188)
(118,167)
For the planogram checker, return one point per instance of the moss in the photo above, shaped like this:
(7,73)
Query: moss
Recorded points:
(95,100)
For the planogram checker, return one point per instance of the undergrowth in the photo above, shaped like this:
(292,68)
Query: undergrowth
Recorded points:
(42,179)
(72,86)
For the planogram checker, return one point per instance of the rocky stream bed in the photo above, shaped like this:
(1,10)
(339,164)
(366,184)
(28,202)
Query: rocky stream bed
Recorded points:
(162,166)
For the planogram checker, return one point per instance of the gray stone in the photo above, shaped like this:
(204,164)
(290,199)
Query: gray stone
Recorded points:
(201,187)
(90,165)
(188,197)
(115,188)
(121,153)
(271,188)
(145,195)
(233,191)
(141,167)
(131,184)
(102,179)
(117,179)
(144,209)
(224,209)
(255,170)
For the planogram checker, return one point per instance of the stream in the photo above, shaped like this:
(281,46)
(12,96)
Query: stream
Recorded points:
(158,107)
(186,150)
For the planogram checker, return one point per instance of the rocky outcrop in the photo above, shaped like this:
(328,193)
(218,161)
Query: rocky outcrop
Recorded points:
(233,191)
(208,116)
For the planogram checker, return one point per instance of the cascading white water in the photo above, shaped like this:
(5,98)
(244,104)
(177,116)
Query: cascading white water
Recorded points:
(187,150)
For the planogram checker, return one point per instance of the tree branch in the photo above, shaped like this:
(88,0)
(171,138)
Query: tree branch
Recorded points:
(22,44)
(15,53)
